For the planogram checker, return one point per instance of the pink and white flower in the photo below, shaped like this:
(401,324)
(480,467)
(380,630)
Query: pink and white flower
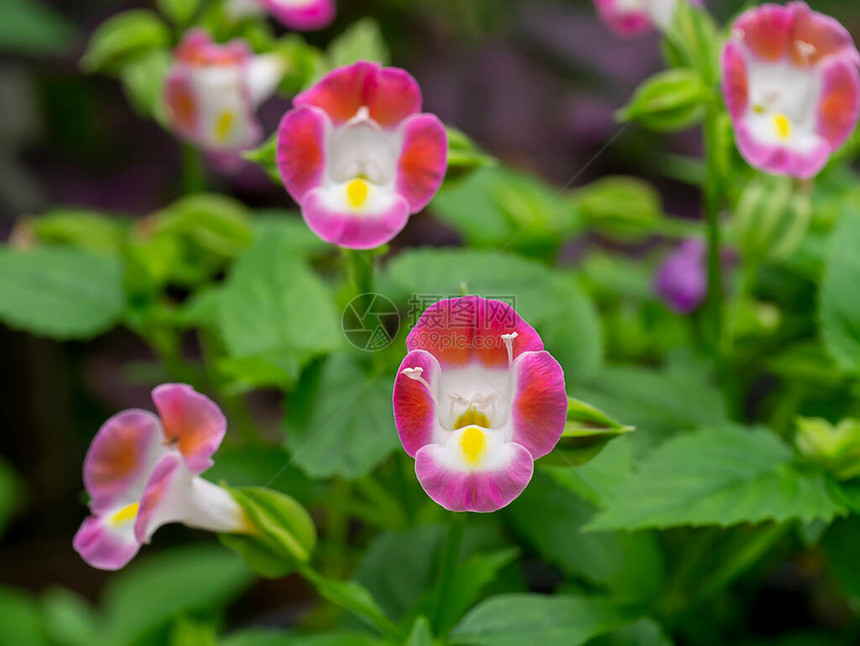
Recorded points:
(301,15)
(358,156)
(143,471)
(629,18)
(212,92)
(476,401)
(790,81)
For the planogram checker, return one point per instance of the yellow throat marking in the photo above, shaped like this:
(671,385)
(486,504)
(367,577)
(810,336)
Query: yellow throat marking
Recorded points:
(224,124)
(473,443)
(782,125)
(356,193)
(472,418)
(127,513)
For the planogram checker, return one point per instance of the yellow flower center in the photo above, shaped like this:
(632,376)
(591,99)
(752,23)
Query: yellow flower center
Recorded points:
(473,443)
(782,125)
(127,513)
(472,417)
(356,193)
(224,124)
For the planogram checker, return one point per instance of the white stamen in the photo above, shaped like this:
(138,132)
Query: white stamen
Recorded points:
(806,50)
(415,374)
(509,344)
(363,116)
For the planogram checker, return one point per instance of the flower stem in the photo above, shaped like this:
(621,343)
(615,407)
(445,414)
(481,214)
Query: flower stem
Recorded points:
(447,567)
(193,171)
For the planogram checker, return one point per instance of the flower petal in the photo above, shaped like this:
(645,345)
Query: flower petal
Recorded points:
(120,457)
(191,419)
(825,34)
(802,162)
(382,215)
(735,80)
(104,544)
(766,30)
(423,160)
(175,494)
(301,150)
(459,330)
(840,101)
(440,473)
(302,15)
(540,403)
(341,92)
(263,75)
(624,22)
(392,95)
(414,405)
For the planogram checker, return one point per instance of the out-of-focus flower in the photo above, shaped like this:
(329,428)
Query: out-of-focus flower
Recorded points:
(142,471)
(682,280)
(301,15)
(212,92)
(791,84)
(631,18)
(358,156)
(476,401)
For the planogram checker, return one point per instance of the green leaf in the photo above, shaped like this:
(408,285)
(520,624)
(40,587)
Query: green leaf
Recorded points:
(155,588)
(463,155)
(719,476)
(549,517)
(693,42)
(21,621)
(552,303)
(124,37)
(268,637)
(59,292)
(672,100)
(586,432)
(187,632)
(31,27)
(285,534)
(68,619)
(78,228)
(143,81)
(214,223)
(362,41)
(839,301)
(340,420)
(840,545)
(645,632)
(516,619)
(180,12)
(274,307)
(265,155)
(420,635)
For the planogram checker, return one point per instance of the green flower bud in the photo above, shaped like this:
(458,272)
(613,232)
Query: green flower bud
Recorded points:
(771,219)
(586,432)
(621,207)
(837,448)
(672,100)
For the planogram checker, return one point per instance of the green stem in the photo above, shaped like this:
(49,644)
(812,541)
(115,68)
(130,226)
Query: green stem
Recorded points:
(193,170)
(448,565)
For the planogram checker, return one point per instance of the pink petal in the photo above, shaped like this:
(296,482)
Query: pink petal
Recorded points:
(824,33)
(414,409)
(198,49)
(193,421)
(305,16)
(540,403)
(840,101)
(354,230)
(481,491)
(182,105)
(120,456)
(459,330)
(423,160)
(779,159)
(341,92)
(392,96)
(153,512)
(301,150)
(623,22)
(104,547)
(766,30)
(735,80)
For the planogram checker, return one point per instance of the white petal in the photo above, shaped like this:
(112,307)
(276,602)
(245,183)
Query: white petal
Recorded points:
(264,74)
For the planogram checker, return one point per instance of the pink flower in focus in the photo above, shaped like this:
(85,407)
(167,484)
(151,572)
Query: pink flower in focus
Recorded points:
(791,85)
(359,157)
(476,401)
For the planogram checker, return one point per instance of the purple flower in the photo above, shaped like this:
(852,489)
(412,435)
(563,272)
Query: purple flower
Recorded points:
(682,281)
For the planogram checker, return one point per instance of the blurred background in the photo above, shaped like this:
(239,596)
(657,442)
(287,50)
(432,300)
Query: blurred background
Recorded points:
(535,83)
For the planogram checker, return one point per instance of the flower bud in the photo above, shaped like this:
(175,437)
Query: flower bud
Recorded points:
(672,100)
(771,219)
(837,448)
(621,207)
